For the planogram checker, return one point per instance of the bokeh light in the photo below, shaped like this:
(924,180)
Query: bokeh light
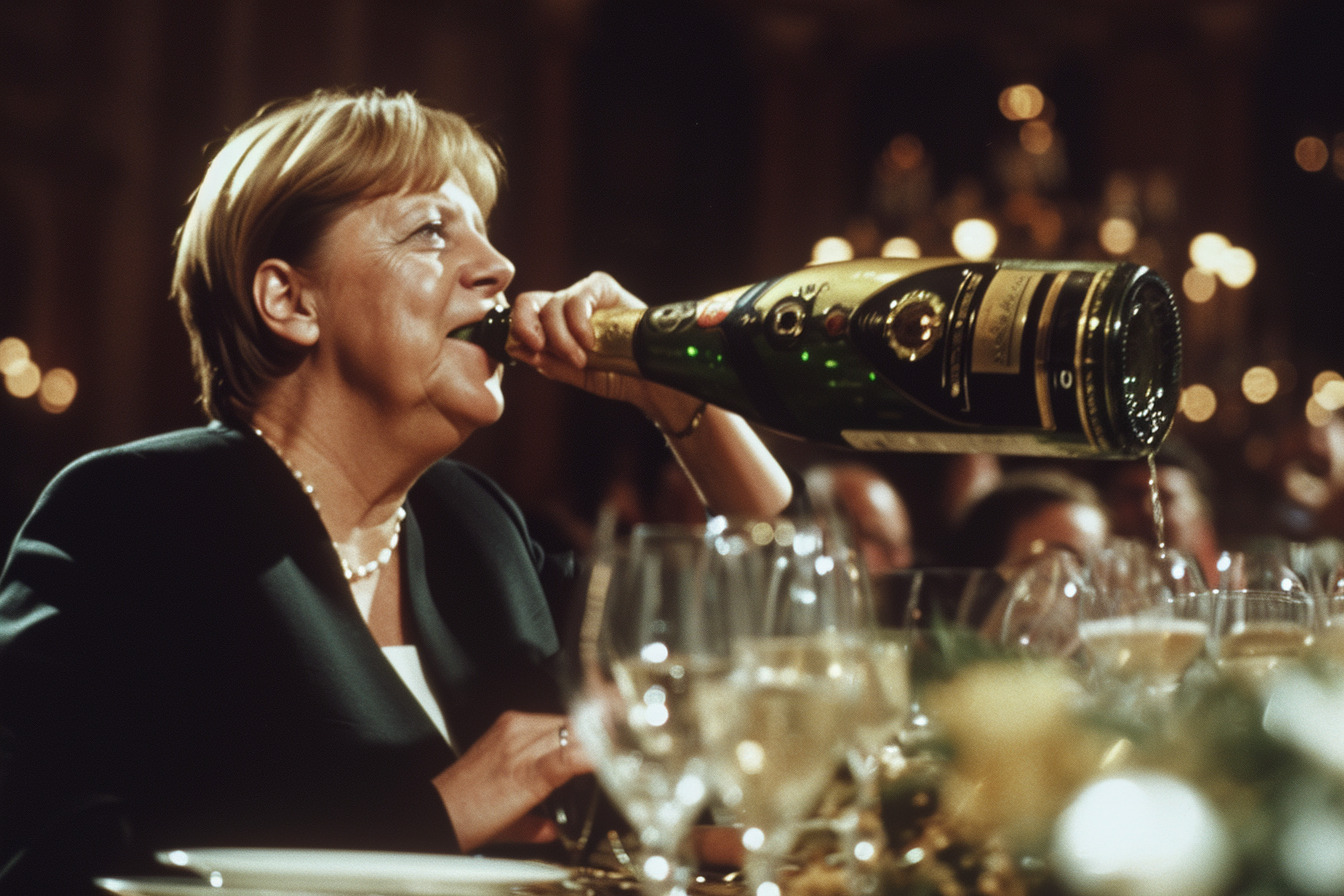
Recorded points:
(900,247)
(1259,384)
(1021,102)
(1198,403)
(57,391)
(1316,413)
(1331,395)
(975,239)
(23,378)
(1324,378)
(832,248)
(1213,253)
(1117,235)
(1206,249)
(1311,154)
(904,153)
(1199,286)
(1142,834)
(13,354)
(1036,137)
(1236,267)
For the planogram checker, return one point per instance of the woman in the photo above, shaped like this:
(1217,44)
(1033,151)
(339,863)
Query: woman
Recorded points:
(300,625)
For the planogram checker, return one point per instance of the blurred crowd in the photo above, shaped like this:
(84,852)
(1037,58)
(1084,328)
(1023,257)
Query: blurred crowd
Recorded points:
(996,514)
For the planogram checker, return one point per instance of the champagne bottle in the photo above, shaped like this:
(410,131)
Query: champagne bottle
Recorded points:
(1065,359)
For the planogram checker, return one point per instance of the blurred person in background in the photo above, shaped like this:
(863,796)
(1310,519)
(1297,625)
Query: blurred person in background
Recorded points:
(872,507)
(1029,511)
(1308,481)
(302,625)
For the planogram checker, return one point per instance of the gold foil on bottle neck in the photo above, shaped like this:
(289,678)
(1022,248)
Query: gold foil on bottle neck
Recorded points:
(614,331)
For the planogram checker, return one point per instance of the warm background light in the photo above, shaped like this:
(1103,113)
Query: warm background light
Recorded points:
(1316,413)
(57,391)
(904,153)
(1331,397)
(1214,253)
(1207,249)
(1311,154)
(1021,102)
(1118,235)
(1236,267)
(1036,137)
(975,239)
(13,355)
(1198,403)
(1199,286)
(22,379)
(900,247)
(832,248)
(1259,385)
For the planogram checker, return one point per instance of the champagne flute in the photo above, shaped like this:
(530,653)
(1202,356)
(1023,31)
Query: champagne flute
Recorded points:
(1330,617)
(786,713)
(652,641)
(1144,621)
(1264,615)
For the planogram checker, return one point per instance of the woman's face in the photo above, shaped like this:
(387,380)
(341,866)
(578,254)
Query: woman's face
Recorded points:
(393,276)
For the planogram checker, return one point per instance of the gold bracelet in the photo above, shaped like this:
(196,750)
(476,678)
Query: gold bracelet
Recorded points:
(691,426)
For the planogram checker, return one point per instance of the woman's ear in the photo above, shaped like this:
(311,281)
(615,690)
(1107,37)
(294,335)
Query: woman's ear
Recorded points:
(283,302)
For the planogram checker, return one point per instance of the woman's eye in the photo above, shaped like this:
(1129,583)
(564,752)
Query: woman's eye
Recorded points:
(435,232)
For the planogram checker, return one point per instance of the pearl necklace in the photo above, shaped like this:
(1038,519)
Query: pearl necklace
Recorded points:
(363,570)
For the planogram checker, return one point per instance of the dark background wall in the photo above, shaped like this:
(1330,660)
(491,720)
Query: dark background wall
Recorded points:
(685,147)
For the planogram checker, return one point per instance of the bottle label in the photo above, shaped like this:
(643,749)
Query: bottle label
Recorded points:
(996,346)
(713,311)
(964,443)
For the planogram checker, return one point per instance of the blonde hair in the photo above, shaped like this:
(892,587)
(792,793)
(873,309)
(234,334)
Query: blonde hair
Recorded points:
(272,190)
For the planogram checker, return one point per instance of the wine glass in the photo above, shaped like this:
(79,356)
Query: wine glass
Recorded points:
(1264,615)
(1144,621)
(1039,612)
(653,640)
(787,712)
(1330,616)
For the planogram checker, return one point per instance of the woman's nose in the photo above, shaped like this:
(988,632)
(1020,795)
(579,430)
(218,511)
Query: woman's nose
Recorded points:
(492,273)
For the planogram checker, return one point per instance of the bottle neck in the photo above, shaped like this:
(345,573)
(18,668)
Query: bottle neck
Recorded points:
(614,334)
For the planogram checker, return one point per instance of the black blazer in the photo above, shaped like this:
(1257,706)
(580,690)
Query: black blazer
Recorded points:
(182,664)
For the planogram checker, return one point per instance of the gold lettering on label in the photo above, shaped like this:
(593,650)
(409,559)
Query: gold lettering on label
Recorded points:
(996,345)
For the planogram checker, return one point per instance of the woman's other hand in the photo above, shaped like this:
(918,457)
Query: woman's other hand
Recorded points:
(492,787)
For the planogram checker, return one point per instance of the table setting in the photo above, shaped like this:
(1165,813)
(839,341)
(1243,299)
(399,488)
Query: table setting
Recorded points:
(756,731)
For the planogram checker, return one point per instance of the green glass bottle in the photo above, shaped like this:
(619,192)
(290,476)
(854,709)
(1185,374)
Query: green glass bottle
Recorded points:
(1071,359)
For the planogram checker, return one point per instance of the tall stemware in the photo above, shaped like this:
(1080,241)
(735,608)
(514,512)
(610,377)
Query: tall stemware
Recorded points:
(653,639)
(787,713)
(1144,621)
(1264,615)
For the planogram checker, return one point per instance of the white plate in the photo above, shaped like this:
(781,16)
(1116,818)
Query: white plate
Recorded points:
(182,886)
(347,871)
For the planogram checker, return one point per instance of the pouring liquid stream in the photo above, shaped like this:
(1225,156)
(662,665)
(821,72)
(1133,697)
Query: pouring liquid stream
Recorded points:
(1159,524)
